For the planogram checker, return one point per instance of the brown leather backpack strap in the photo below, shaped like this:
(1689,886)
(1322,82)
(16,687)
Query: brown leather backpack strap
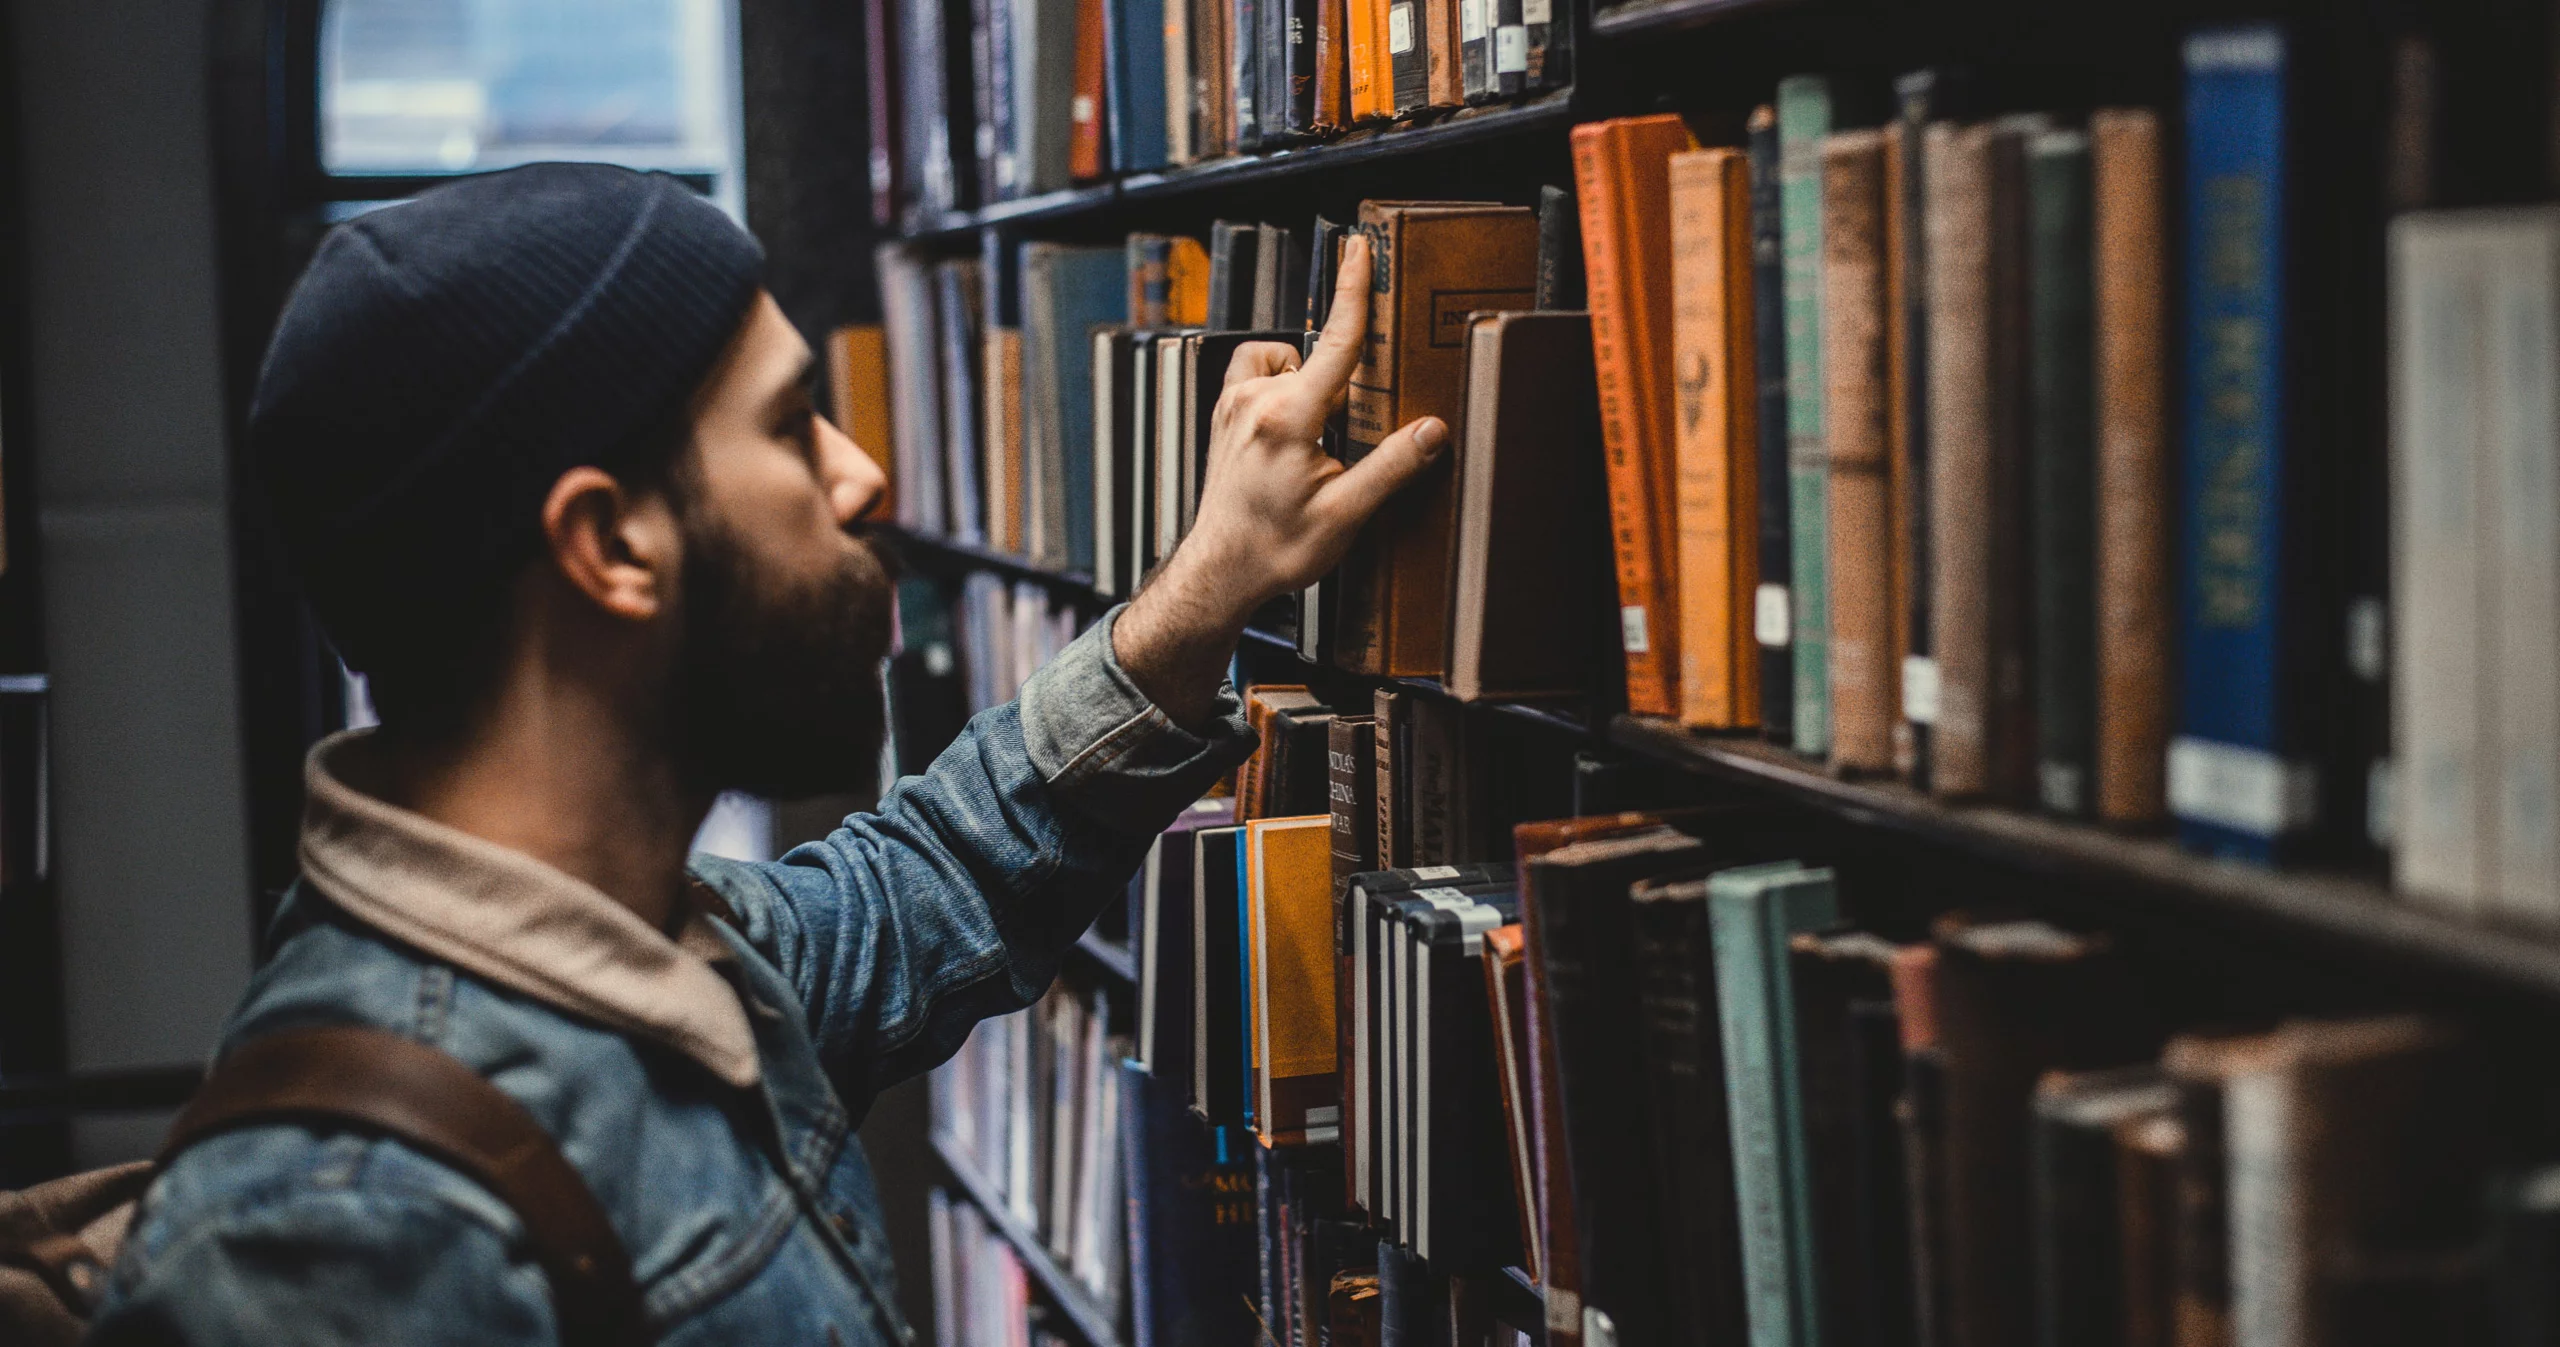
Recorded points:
(422,1097)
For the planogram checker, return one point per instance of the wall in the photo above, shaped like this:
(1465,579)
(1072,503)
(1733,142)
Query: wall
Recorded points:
(126,397)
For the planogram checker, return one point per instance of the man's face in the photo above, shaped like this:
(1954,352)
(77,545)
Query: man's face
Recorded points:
(784,607)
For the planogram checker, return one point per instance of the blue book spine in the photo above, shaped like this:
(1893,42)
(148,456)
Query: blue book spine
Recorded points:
(1093,291)
(1752,912)
(1244,966)
(2232,784)
(1133,32)
(1192,1249)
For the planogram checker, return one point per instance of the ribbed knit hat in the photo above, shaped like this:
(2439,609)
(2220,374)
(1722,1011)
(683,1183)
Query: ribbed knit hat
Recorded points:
(443,361)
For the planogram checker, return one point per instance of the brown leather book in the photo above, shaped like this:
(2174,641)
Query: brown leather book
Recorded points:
(858,391)
(1527,560)
(1447,81)
(1622,177)
(1331,110)
(2015,999)
(1437,263)
(1352,1305)
(1213,73)
(1716,434)
(1002,396)
(1263,703)
(1392,725)
(1977,406)
(1921,1117)
(1351,789)
(2355,1167)
(1088,157)
(2148,1153)
(1865,671)
(2134,581)
(1898,356)
(1506,988)
(2201,1065)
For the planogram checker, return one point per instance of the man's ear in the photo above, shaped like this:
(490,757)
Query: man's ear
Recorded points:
(618,547)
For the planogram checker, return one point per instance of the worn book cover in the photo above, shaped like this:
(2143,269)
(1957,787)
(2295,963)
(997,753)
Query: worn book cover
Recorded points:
(2130,247)
(1858,481)
(1291,874)
(1436,264)
(1716,436)
(2062,469)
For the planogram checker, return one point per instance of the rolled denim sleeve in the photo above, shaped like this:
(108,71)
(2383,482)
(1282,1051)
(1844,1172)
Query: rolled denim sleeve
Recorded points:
(953,902)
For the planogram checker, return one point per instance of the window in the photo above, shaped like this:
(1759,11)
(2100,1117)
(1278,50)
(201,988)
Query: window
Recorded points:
(411,87)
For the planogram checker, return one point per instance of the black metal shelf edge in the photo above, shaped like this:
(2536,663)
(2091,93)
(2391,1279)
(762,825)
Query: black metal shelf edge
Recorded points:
(1114,957)
(1402,140)
(1005,563)
(1654,16)
(1057,1285)
(2352,911)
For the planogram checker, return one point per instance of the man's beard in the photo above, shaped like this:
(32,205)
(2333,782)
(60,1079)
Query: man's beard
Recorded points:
(777,689)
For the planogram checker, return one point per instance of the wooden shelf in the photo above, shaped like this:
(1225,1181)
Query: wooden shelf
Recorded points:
(1090,1320)
(1007,564)
(2355,913)
(1635,17)
(1399,141)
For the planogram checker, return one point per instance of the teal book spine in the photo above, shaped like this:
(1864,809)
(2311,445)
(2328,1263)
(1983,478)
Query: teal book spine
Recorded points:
(1752,912)
(1804,118)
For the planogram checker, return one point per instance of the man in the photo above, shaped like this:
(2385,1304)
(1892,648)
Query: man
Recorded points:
(543,456)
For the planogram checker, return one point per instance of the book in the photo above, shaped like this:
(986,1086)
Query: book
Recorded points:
(959,320)
(884,68)
(2129,243)
(1581,917)
(990,82)
(1507,48)
(1976,407)
(1560,283)
(1279,281)
(2062,467)
(1067,293)
(2079,1195)
(1329,90)
(1716,437)
(1506,985)
(1546,38)
(1921,97)
(1392,726)
(1369,93)
(1852,1076)
(2148,1152)
(860,399)
(1262,704)
(1290,872)
(1525,556)
(1441,784)
(1168,281)
(1351,783)
(1218,1025)
(937,128)
(1623,186)
(1366,1072)
(1406,56)
(1232,246)
(1295,781)
(1685,1085)
(1001,402)
(1191,1250)
(1772,607)
(1088,155)
(1804,119)
(1445,78)
(1752,912)
(2474,438)
(1161,940)
(2199,1066)
(1436,264)
(1463,1209)
(2242,779)
(1047,50)
(1857,489)
(1133,91)
(1181,91)
(1476,22)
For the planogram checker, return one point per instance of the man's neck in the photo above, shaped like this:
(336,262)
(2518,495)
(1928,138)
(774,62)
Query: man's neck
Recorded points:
(551,773)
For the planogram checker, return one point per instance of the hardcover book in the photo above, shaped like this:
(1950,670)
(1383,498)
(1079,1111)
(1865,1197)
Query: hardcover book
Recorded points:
(2129,242)
(1857,492)
(1716,433)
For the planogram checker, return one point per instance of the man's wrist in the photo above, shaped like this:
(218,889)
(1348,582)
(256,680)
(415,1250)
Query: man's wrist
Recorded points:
(1177,635)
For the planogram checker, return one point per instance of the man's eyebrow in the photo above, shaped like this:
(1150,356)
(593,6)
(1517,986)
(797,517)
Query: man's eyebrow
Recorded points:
(803,382)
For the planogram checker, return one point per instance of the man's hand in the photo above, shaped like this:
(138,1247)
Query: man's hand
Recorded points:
(1276,512)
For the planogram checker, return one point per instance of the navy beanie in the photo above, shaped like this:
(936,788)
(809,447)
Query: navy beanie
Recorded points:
(443,361)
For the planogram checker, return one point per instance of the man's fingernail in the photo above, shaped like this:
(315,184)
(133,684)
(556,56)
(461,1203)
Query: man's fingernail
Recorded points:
(1429,434)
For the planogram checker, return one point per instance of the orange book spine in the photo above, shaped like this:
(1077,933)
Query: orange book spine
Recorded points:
(2134,576)
(1085,157)
(1187,284)
(1332,101)
(1364,44)
(1623,181)
(1446,82)
(1716,370)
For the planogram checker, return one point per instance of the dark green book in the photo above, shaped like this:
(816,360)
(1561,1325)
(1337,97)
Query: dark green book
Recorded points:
(2062,469)
(1804,118)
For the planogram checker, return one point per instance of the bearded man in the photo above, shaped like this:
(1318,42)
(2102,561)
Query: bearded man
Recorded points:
(542,454)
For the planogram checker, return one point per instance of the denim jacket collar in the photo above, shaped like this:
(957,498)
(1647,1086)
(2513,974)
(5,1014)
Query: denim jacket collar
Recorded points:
(506,917)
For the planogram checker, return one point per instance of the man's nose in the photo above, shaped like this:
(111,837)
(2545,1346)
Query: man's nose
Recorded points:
(858,488)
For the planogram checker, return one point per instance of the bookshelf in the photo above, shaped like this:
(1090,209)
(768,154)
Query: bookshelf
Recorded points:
(1092,1323)
(1636,17)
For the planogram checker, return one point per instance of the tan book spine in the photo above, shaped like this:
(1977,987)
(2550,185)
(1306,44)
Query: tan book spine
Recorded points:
(2133,466)
(1898,284)
(1715,376)
(1864,706)
(1446,81)
(1959,220)
(1002,396)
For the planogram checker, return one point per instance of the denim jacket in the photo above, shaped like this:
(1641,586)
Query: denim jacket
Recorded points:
(706,1086)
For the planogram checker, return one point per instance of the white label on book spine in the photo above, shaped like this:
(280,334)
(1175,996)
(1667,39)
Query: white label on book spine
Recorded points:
(1511,50)
(1631,623)
(1564,1309)
(1435,872)
(1537,11)
(1769,616)
(1920,689)
(2247,789)
(1400,30)
(2365,649)
(1471,22)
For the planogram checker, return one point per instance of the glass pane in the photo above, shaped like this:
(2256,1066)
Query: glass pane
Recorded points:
(435,86)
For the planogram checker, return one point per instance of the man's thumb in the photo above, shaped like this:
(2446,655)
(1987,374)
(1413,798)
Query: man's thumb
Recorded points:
(1383,471)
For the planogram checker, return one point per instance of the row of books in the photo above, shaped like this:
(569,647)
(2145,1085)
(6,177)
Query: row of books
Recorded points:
(1033,1101)
(982,1295)
(1650,1058)
(974,102)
